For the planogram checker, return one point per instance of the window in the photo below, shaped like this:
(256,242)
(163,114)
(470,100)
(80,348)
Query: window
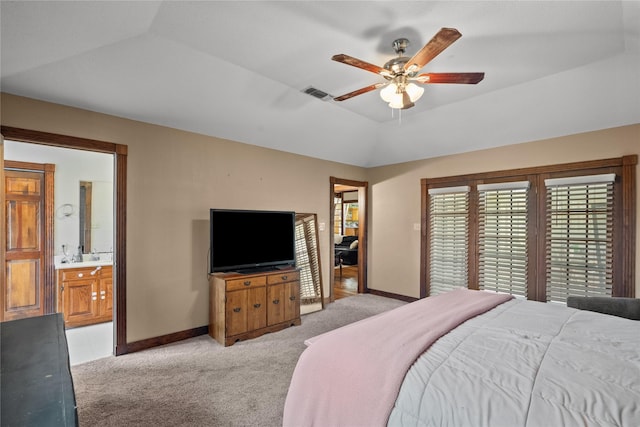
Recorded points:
(449,229)
(502,237)
(337,214)
(579,234)
(538,233)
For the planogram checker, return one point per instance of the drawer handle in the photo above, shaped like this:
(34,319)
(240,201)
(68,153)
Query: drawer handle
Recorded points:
(284,277)
(247,282)
(292,298)
(80,274)
(276,301)
(236,310)
(257,305)
(93,273)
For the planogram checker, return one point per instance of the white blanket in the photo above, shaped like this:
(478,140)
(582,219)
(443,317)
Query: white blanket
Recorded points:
(351,376)
(530,364)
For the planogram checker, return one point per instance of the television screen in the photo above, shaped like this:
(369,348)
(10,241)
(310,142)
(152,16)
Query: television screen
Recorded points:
(244,240)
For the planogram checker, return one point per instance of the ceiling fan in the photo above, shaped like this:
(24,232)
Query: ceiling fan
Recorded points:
(400,73)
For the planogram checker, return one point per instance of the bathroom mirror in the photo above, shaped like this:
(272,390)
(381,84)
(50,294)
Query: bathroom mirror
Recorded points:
(96,216)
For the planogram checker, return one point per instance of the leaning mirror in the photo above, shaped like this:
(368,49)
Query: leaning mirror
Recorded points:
(308,261)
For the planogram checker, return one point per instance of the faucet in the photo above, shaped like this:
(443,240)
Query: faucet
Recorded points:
(65,257)
(77,257)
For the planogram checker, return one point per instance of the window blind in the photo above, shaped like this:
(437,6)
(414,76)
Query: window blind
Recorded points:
(579,237)
(449,230)
(502,237)
(307,259)
(337,215)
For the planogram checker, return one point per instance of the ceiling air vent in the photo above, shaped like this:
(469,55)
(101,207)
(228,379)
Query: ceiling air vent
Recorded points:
(317,93)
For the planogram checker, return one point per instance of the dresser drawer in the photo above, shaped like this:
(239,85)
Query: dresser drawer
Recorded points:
(77,274)
(285,276)
(244,283)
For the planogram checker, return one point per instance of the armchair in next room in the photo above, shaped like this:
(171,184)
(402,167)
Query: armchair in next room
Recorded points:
(346,249)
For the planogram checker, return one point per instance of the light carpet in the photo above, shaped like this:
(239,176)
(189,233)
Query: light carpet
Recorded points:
(198,382)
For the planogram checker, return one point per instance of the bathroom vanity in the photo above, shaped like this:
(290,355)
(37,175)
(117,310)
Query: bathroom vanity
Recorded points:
(85,292)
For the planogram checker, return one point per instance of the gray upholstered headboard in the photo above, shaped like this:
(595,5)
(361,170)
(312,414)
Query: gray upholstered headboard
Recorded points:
(616,306)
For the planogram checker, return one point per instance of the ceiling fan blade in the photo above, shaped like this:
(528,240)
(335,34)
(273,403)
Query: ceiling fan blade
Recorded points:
(358,92)
(355,62)
(443,39)
(461,78)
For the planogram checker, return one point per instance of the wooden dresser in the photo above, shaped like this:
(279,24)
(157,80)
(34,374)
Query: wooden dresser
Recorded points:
(244,306)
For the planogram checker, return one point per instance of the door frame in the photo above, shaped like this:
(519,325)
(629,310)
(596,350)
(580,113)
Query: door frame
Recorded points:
(363,226)
(120,239)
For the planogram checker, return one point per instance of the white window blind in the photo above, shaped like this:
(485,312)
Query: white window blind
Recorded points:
(307,259)
(579,237)
(449,230)
(502,237)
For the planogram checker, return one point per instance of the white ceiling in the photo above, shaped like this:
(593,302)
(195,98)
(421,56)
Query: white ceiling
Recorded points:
(236,69)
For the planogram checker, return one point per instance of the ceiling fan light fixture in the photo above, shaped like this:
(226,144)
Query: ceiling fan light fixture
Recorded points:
(414,91)
(396,99)
(401,101)
(389,92)
(401,96)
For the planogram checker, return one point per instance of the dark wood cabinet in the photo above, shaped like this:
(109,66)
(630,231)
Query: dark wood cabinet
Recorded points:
(244,306)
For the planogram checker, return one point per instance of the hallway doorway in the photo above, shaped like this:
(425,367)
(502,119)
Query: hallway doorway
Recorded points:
(348,224)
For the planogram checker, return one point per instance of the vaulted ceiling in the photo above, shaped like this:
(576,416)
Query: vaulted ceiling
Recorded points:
(238,69)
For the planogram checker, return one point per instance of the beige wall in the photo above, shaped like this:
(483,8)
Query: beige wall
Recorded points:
(395,195)
(174,177)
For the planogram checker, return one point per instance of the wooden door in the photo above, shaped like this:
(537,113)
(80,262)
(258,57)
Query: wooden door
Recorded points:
(106,294)
(292,300)
(276,301)
(80,301)
(23,293)
(256,308)
(236,312)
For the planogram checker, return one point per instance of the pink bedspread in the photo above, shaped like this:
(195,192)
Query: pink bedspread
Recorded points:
(351,376)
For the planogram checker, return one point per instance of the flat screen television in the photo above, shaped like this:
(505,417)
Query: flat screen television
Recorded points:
(251,240)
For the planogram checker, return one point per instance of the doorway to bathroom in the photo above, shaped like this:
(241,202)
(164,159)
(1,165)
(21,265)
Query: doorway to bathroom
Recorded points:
(71,214)
(115,226)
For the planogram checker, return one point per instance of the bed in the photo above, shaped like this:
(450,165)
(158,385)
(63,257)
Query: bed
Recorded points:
(471,358)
